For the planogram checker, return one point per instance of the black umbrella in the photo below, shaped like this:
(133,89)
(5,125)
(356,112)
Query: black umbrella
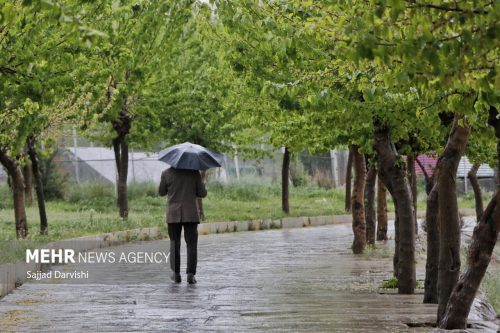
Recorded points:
(190,156)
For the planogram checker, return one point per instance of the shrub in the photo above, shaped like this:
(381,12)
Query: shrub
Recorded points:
(97,196)
(322,179)
(298,174)
(140,190)
(392,283)
(246,189)
(54,182)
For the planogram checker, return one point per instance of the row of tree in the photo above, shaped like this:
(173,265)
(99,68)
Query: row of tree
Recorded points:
(385,78)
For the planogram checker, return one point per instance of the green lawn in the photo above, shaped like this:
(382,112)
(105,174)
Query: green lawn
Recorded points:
(90,209)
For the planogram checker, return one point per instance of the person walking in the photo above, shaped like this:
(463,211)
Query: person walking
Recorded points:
(183,187)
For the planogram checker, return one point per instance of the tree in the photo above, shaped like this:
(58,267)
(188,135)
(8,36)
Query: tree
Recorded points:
(483,242)
(263,49)
(10,122)
(38,42)
(445,52)
(140,36)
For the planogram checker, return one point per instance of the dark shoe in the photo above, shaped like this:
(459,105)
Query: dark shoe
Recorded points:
(176,277)
(191,279)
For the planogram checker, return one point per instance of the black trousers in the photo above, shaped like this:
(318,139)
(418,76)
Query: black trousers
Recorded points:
(191,238)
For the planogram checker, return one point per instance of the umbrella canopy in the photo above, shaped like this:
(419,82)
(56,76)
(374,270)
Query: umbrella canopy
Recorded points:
(190,156)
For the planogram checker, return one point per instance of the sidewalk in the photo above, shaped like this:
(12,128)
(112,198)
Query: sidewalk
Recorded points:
(290,280)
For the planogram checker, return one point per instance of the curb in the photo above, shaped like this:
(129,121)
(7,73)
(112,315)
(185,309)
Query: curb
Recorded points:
(267,224)
(290,222)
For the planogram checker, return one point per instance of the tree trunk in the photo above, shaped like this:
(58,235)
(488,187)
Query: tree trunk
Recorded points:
(357,203)
(483,242)
(412,177)
(44,227)
(381,211)
(122,128)
(121,156)
(449,221)
(28,184)
(285,182)
(18,194)
(481,248)
(478,197)
(432,228)
(371,221)
(348,181)
(393,174)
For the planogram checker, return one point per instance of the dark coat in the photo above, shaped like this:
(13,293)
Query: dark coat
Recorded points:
(182,187)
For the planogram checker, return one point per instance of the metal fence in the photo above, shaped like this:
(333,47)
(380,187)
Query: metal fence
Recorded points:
(97,164)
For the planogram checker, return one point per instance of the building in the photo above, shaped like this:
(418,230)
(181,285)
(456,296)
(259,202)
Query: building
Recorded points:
(98,164)
(429,163)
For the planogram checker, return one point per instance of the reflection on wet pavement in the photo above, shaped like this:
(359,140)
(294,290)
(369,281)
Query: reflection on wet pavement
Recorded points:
(296,280)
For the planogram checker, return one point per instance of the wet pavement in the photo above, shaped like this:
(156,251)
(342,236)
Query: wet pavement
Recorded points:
(295,280)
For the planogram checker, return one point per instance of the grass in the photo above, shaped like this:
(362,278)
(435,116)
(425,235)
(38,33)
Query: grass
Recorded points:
(491,282)
(491,287)
(391,283)
(90,208)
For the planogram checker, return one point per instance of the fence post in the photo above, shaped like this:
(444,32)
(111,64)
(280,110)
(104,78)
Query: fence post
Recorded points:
(133,165)
(236,164)
(333,161)
(75,157)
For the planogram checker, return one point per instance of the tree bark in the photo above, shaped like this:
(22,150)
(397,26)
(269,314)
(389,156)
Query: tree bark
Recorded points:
(285,182)
(483,242)
(478,196)
(481,248)
(412,177)
(348,181)
(449,220)
(44,226)
(393,174)
(381,211)
(120,146)
(28,184)
(17,178)
(357,203)
(370,212)
(432,228)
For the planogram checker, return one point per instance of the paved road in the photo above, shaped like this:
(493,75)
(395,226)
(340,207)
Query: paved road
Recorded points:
(296,280)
